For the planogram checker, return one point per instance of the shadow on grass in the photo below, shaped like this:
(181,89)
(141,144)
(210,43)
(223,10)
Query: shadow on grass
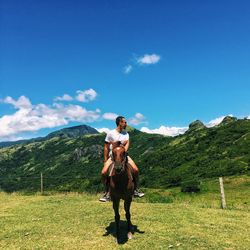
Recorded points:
(111,229)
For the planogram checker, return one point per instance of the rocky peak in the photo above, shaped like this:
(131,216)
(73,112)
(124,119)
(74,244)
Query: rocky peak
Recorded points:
(228,119)
(196,125)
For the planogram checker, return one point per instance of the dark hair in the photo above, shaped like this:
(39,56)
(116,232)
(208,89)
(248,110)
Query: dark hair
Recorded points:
(118,119)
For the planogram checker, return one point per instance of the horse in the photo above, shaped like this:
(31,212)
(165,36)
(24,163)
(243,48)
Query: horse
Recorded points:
(121,187)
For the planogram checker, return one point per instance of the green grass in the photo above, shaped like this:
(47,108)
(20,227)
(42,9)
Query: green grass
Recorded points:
(164,219)
(237,191)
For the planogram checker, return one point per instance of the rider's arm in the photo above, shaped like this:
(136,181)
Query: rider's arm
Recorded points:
(106,151)
(126,145)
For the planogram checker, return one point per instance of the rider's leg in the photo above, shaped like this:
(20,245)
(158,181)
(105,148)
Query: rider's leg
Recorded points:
(105,179)
(105,172)
(135,171)
(136,176)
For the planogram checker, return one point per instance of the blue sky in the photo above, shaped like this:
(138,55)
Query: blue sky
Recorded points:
(161,64)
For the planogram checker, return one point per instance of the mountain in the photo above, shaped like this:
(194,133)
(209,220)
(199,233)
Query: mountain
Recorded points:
(71,132)
(227,120)
(73,161)
(196,125)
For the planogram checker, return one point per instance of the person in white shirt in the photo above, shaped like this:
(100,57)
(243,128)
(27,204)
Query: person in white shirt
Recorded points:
(120,136)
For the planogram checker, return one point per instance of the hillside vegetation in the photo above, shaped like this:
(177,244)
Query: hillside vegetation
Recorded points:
(72,161)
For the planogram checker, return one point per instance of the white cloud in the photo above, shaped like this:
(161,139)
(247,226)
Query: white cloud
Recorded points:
(30,117)
(162,130)
(142,60)
(148,59)
(109,116)
(106,130)
(216,121)
(137,119)
(127,69)
(86,95)
(22,102)
(65,97)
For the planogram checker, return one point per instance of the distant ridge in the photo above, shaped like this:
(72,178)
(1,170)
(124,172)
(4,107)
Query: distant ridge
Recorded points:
(71,132)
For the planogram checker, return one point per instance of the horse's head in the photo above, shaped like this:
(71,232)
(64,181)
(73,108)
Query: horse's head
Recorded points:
(119,157)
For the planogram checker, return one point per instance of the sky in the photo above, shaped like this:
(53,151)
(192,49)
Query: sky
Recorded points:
(161,64)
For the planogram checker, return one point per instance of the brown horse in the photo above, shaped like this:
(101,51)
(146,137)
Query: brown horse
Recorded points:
(121,187)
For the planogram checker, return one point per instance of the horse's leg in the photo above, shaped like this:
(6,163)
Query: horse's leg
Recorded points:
(117,216)
(127,204)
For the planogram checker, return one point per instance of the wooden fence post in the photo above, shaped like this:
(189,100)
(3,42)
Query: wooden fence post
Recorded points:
(41,183)
(223,200)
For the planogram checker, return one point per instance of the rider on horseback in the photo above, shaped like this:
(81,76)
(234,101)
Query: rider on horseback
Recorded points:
(118,136)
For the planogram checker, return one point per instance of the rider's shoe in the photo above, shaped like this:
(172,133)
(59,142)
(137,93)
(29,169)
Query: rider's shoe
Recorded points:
(105,198)
(138,193)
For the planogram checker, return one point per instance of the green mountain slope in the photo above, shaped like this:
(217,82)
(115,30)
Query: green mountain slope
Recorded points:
(75,162)
(202,152)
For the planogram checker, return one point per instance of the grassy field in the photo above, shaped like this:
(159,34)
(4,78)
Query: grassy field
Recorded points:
(164,219)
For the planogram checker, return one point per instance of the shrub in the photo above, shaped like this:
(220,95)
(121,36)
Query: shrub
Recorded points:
(157,197)
(189,186)
(173,180)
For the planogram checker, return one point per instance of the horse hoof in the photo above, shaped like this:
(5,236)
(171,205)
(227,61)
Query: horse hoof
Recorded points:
(130,235)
